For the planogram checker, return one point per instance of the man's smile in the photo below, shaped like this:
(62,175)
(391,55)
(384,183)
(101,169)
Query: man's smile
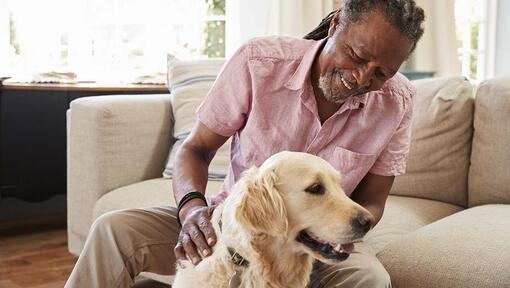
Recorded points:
(345,83)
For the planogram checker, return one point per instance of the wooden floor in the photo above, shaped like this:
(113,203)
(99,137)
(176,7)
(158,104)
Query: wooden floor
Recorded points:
(34,254)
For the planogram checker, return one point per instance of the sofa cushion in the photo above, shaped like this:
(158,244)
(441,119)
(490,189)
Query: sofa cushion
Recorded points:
(189,82)
(489,175)
(438,161)
(149,193)
(406,214)
(467,249)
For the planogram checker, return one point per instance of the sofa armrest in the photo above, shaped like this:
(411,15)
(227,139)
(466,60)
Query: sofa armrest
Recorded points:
(112,141)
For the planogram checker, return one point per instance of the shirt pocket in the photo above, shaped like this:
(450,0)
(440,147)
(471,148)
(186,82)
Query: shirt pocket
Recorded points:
(353,166)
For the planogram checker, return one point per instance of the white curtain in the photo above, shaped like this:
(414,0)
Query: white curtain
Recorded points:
(248,19)
(296,17)
(437,50)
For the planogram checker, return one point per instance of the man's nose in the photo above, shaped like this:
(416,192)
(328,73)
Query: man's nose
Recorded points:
(364,75)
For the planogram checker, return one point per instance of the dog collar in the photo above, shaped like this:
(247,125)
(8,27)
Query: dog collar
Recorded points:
(236,258)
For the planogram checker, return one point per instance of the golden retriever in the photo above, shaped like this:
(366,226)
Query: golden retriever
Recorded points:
(276,221)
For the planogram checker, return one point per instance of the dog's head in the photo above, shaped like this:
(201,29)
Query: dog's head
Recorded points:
(299,196)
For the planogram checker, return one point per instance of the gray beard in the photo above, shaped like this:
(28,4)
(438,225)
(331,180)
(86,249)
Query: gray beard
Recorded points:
(337,98)
(325,86)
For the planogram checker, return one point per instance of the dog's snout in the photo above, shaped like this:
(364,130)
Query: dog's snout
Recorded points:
(363,222)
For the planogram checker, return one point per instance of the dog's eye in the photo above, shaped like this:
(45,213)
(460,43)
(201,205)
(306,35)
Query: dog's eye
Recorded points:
(315,188)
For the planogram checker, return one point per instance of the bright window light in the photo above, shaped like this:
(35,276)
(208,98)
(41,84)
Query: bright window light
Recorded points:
(475,21)
(107,40)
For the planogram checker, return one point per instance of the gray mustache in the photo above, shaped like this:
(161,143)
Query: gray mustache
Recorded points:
(360,89)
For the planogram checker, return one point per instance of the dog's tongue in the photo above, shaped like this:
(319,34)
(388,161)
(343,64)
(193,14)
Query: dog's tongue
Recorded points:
(348,248)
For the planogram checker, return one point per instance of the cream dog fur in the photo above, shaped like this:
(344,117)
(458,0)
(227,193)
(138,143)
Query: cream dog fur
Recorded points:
(279,218)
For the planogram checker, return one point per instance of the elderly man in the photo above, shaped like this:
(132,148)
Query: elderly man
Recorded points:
(340,98)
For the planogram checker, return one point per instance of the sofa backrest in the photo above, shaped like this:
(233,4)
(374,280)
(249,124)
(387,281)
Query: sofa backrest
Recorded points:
(489,174)
(438,160)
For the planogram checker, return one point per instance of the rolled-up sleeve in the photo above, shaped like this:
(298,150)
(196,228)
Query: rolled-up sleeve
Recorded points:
(226,106)
(392,160)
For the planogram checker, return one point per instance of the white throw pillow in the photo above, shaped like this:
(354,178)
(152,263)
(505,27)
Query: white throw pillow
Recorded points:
(189,82)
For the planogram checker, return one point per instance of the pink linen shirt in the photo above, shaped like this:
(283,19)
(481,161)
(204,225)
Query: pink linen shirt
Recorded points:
(264,99)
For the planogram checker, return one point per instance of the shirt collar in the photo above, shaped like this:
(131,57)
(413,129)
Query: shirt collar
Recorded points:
(358,101)
(297,80)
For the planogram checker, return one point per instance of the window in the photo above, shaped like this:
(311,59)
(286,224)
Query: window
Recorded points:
(475,19)
(214,30)
(108,40)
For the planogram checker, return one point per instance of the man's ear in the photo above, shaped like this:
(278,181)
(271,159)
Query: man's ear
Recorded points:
(333,25)
(262,209)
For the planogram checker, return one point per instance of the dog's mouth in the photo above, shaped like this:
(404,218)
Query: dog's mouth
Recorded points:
(333,251)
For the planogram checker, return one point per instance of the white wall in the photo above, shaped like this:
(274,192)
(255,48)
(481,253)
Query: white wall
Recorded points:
(502,66)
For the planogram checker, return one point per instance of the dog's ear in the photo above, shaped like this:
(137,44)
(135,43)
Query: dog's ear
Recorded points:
(262,208)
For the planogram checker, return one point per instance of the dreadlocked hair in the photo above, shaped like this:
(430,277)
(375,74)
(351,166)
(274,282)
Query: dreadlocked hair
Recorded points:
(405,15)
(321,31)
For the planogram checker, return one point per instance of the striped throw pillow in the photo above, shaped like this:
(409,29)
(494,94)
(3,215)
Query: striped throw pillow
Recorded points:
(189,82)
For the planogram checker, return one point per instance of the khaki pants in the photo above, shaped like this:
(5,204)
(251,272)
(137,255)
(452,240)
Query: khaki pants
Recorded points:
(124,243)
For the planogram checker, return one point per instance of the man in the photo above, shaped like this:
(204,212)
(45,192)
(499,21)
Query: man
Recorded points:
(340,98)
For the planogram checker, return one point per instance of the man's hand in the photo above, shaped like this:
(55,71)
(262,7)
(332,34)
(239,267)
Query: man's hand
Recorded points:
(197,234)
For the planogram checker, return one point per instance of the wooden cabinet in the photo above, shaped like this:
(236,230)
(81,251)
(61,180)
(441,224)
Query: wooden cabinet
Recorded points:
(33,135)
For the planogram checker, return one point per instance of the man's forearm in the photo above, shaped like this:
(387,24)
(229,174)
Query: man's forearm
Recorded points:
(190,174)
(375,209)
(372,192)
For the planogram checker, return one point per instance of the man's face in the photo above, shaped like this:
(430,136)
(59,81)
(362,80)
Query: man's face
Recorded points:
(360,57)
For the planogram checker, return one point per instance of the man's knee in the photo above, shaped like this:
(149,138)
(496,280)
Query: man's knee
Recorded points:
(140,226)
(363,274)
(110,223)
(373,275)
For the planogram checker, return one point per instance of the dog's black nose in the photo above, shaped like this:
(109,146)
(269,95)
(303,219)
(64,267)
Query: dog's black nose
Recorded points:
(363,222)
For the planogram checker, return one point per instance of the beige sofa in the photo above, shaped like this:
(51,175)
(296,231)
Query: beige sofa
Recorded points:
(446,223)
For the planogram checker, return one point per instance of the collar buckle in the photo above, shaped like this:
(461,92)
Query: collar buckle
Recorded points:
(237,258)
